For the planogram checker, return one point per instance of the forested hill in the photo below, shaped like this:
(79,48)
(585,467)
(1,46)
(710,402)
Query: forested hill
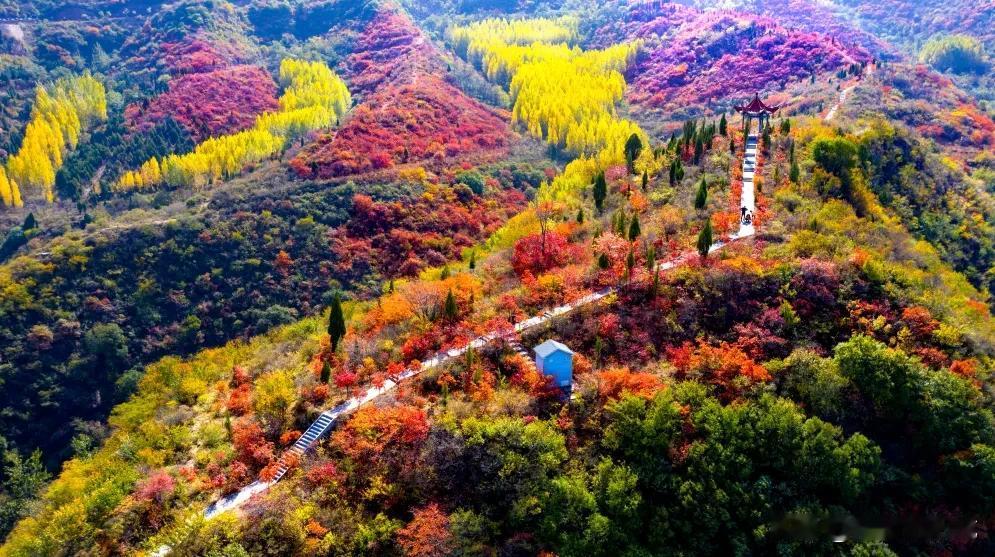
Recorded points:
(220,219)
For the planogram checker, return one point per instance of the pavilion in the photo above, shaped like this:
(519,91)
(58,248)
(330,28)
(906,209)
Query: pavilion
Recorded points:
(756,109)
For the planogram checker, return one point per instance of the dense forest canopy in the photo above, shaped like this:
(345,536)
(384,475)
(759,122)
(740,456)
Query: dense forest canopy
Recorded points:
(272,273)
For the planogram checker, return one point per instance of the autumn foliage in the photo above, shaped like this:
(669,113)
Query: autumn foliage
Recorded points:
(410,116)
(724,366)
(314,97)
(701,57)
(60,115)
(427,535)
(537,253)
(209,104)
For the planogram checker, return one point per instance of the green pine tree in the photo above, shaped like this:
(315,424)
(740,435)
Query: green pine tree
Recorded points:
(646,180)
(336,321)
(705,239)
(30,223)
(603,261)
(326,372)
(723,125)
(473,260)
(634,230)
(600,191)
(633,146)
(580,216)
(701,198)
(651,257)
(795,173)
(451,308)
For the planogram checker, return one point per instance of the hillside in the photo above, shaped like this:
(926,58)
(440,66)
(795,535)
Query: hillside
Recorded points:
(221,263)
(272,273)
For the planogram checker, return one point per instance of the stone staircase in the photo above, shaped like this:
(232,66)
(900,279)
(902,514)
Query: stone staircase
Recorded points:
(315,432)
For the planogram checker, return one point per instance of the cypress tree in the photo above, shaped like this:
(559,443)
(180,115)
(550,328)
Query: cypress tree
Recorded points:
(30,222)
(600,191)
(680,170)
(634,230)
(795,173)
(651,257)
(603,261)
(580,216)
(326,372)
(699,150)
(786,126)
(445,273)
(630,263)
(723,125)
(701,199)
(633,146)
(705,239)
(646,180)
(451,309)
(473,260)
(336,322)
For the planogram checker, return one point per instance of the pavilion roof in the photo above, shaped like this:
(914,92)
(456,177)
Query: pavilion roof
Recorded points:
(757,106)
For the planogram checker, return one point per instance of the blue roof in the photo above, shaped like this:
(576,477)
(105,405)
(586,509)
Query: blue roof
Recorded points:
(550,346)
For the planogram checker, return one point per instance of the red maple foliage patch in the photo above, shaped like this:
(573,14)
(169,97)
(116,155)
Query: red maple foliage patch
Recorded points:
(410,115)
(198,56)
(210,104)
(389,50)
(400,238)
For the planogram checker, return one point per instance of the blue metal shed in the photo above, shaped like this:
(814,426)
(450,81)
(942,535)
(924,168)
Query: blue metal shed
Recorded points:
(556,360)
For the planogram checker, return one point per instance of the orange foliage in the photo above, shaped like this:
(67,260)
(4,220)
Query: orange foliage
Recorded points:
(289,437)
(725,222)
(283,263)
(392,309)
(240,400)
(251,446)
(427,535)
(965,368)
(725,366)
(528,378)
(613,382)
(638,202)
(314,528)
(371,430)
(919,321)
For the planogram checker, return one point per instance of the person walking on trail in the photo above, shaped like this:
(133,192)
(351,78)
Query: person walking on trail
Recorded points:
(742,212)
